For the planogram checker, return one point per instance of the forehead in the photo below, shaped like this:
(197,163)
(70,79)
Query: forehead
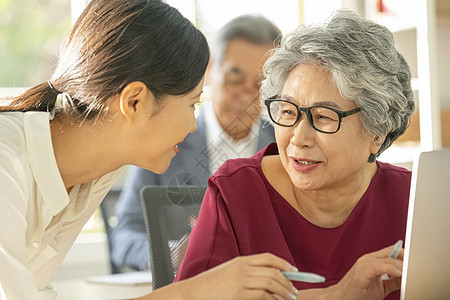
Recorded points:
(309,84)
(308,75)
(245,56)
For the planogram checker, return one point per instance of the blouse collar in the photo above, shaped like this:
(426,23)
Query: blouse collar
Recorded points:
(43,162)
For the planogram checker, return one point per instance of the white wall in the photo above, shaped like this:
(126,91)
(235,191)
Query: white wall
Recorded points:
(443,41)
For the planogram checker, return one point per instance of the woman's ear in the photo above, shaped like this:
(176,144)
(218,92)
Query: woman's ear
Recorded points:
(134,99)
(376,144)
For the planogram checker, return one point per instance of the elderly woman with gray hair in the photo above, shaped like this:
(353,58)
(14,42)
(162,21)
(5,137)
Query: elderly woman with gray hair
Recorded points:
(338,95)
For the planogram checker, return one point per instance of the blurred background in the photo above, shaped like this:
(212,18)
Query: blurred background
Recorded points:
(32,30)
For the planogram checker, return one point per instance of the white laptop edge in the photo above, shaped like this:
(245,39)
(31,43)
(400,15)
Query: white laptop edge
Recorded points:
(409,223)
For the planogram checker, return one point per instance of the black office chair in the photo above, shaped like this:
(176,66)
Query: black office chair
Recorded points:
(110,221)
(169,213)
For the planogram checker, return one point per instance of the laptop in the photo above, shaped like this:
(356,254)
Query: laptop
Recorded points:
(426,265)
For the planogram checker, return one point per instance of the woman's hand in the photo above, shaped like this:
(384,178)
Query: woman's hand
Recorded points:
(246,277)
(363,280)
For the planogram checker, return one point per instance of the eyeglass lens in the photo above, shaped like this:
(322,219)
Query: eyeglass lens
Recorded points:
(321,118)
(235,82)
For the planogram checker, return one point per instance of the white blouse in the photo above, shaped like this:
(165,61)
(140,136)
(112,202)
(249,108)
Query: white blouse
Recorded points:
(39,221)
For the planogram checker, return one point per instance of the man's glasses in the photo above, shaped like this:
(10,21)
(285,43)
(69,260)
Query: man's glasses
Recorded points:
(235,82)
(323,119)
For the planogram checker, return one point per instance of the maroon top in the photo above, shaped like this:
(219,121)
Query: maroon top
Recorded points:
(243,214)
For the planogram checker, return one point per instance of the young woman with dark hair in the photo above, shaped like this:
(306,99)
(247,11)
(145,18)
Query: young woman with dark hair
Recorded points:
(123,92)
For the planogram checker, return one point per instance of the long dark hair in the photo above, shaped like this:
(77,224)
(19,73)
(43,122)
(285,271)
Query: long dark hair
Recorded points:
(112,44)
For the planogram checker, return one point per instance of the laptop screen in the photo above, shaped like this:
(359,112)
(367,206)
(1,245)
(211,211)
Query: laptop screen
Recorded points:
(426,266)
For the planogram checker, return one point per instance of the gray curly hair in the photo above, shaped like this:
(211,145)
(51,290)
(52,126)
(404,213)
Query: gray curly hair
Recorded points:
(363,62)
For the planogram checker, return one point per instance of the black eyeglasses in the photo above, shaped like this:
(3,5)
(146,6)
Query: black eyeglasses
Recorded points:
(323,119)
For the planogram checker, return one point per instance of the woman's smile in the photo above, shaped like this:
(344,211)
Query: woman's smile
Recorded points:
(304,165)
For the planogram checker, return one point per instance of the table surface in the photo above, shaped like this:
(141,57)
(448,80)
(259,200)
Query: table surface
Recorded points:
(76,289)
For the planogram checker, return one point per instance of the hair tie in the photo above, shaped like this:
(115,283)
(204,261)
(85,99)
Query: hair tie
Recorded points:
(81,107)
(54,90)
(59,100)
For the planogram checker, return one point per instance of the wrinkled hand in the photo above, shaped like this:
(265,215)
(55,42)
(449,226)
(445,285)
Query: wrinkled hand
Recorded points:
(363,280)
(246,277)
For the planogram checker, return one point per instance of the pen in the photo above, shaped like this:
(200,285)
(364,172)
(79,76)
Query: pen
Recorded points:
(394,254)
(396,250)
(303,276)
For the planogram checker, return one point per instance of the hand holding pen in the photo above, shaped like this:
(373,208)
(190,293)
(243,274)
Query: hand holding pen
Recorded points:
(362,281)
(315,278)
(394,254)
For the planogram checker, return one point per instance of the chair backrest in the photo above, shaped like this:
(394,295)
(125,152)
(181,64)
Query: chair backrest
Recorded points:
(169,213)
(110,221)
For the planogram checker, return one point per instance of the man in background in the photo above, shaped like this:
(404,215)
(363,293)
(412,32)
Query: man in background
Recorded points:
(229,125)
